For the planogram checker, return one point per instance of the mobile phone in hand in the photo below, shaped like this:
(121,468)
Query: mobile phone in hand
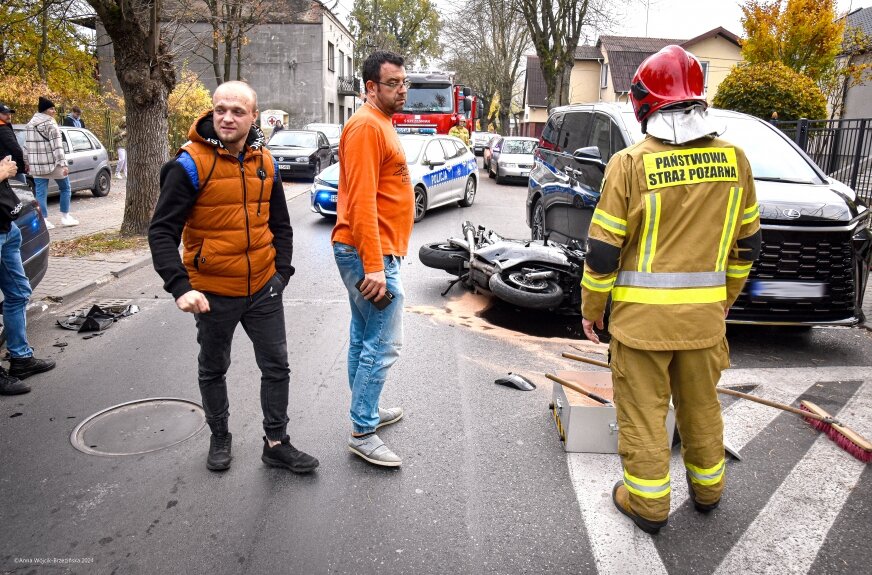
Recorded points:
(381,304)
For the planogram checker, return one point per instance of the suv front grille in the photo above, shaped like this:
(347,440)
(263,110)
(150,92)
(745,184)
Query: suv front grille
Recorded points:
(802,256)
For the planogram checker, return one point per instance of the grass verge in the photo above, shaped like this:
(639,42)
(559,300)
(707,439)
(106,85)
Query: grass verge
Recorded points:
(103,242)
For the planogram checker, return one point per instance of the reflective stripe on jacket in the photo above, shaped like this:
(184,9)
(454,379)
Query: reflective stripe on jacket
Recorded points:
(665,241)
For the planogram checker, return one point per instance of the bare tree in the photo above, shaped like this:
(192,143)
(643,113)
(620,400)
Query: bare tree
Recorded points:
(144,66)
(556,27)
(229,23)
(488,56)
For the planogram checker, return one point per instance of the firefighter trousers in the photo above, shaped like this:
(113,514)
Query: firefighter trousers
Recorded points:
(643,381)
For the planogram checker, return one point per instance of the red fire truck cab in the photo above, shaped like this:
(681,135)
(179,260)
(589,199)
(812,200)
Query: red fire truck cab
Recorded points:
(434,103)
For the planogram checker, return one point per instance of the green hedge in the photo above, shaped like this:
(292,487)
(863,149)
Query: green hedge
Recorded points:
(760,89)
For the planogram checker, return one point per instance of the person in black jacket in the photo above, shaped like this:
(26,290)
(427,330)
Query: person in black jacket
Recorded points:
(9,144)
(74,118)
(16,292)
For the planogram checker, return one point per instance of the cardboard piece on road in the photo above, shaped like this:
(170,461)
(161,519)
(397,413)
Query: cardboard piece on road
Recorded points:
(585,425)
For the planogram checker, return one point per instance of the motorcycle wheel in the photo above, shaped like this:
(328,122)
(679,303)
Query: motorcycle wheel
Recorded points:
(443,256)
(511,286)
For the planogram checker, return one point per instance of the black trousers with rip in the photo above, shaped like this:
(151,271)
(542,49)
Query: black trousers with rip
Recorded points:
(262,316)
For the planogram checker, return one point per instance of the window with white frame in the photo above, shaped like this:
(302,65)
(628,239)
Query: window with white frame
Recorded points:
(604,75)
(341,64)
(331,57)
(705,68)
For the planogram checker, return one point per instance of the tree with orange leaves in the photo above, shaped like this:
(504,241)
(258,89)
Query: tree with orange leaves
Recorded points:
(804,35)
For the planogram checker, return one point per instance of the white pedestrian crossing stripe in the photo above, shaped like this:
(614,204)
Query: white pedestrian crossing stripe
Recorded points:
(798,516)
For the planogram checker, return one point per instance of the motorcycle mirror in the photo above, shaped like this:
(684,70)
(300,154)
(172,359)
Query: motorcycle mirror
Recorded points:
(517,381)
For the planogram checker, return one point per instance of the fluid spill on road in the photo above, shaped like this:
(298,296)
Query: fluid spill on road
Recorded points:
(526,328)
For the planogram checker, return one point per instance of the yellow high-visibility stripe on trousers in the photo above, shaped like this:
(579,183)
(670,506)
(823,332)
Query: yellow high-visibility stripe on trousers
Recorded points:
(708,475)
(647,488)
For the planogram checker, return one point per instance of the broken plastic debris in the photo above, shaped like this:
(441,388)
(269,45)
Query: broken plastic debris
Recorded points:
(517,381)
(97,318)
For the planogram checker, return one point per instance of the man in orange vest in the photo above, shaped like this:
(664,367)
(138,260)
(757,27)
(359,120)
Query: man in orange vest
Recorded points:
(222,197)
(672,241)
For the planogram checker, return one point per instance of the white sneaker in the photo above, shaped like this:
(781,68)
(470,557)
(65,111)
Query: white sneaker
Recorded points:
(117,176)
(49,225)
(68,220)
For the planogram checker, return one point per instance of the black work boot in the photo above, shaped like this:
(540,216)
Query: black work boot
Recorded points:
(11,385)
(621,499)
(24,367)
(701,507)
(219,452)
(286,455)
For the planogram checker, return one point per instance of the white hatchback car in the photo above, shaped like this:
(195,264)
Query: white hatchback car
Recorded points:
(443,170)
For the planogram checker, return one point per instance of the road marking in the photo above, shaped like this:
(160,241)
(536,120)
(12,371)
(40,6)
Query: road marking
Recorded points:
(796,519)
(621,549)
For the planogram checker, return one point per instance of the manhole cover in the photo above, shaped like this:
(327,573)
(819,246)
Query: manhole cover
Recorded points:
(139,426)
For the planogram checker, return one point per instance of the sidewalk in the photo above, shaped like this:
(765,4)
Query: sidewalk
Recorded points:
(71,278)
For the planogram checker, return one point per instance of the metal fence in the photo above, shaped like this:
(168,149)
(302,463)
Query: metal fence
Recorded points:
(842,149)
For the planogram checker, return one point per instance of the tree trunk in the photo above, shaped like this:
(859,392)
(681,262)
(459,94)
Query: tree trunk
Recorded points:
(146,154)
(147,76)
(43,43)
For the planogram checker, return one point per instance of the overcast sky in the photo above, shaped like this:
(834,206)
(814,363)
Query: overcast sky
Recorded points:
(680,19)
(684,19)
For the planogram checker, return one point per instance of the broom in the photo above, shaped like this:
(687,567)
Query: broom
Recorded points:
(846,438)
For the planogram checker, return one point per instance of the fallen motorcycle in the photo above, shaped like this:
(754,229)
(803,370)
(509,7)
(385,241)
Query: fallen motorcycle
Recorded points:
(534,274)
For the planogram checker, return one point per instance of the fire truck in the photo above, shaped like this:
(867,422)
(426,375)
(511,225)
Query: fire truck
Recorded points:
(434,103)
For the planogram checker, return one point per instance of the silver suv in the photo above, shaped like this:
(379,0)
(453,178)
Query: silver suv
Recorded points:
(87,159)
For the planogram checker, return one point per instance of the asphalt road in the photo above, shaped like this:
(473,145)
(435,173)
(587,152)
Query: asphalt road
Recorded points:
(485,485)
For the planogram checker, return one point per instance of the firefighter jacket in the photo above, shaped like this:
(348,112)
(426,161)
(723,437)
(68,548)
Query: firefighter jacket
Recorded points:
(672,241)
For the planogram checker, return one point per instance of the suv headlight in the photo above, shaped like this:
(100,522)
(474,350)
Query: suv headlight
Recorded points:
(864,220)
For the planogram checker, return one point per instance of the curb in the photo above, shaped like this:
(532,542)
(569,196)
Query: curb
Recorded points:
(37,309)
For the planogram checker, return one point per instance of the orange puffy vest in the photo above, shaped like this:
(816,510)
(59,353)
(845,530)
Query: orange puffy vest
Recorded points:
(227,242)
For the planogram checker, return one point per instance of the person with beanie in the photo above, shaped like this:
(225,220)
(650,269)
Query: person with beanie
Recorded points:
(45,155)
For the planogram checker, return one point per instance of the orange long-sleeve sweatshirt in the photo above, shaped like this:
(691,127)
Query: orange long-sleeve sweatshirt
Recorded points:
(375,208)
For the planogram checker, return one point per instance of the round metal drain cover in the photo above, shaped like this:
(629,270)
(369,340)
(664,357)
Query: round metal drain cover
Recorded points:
(139,426)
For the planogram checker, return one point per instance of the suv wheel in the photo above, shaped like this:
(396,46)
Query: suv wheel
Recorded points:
(537,221)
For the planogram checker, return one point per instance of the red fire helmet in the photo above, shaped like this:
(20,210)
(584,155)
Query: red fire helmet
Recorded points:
(670,76)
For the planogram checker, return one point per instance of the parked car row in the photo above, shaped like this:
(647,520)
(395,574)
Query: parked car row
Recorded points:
(87,159)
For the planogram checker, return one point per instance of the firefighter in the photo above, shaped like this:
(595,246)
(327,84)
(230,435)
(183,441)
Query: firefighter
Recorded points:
(672,241)
(459,130)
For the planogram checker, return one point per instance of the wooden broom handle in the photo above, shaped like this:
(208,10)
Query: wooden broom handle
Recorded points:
(586,360)
(774,404)
(578,388)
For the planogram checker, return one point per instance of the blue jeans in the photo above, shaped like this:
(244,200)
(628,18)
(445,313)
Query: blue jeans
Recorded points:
(42,194)
(376,336)
(16,293)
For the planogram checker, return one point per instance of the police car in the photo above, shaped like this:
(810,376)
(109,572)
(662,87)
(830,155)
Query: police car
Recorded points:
(443,171)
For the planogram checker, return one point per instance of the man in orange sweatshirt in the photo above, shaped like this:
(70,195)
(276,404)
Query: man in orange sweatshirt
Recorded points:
(374,216)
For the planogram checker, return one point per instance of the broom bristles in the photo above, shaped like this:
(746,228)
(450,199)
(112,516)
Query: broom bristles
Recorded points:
(843,442)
